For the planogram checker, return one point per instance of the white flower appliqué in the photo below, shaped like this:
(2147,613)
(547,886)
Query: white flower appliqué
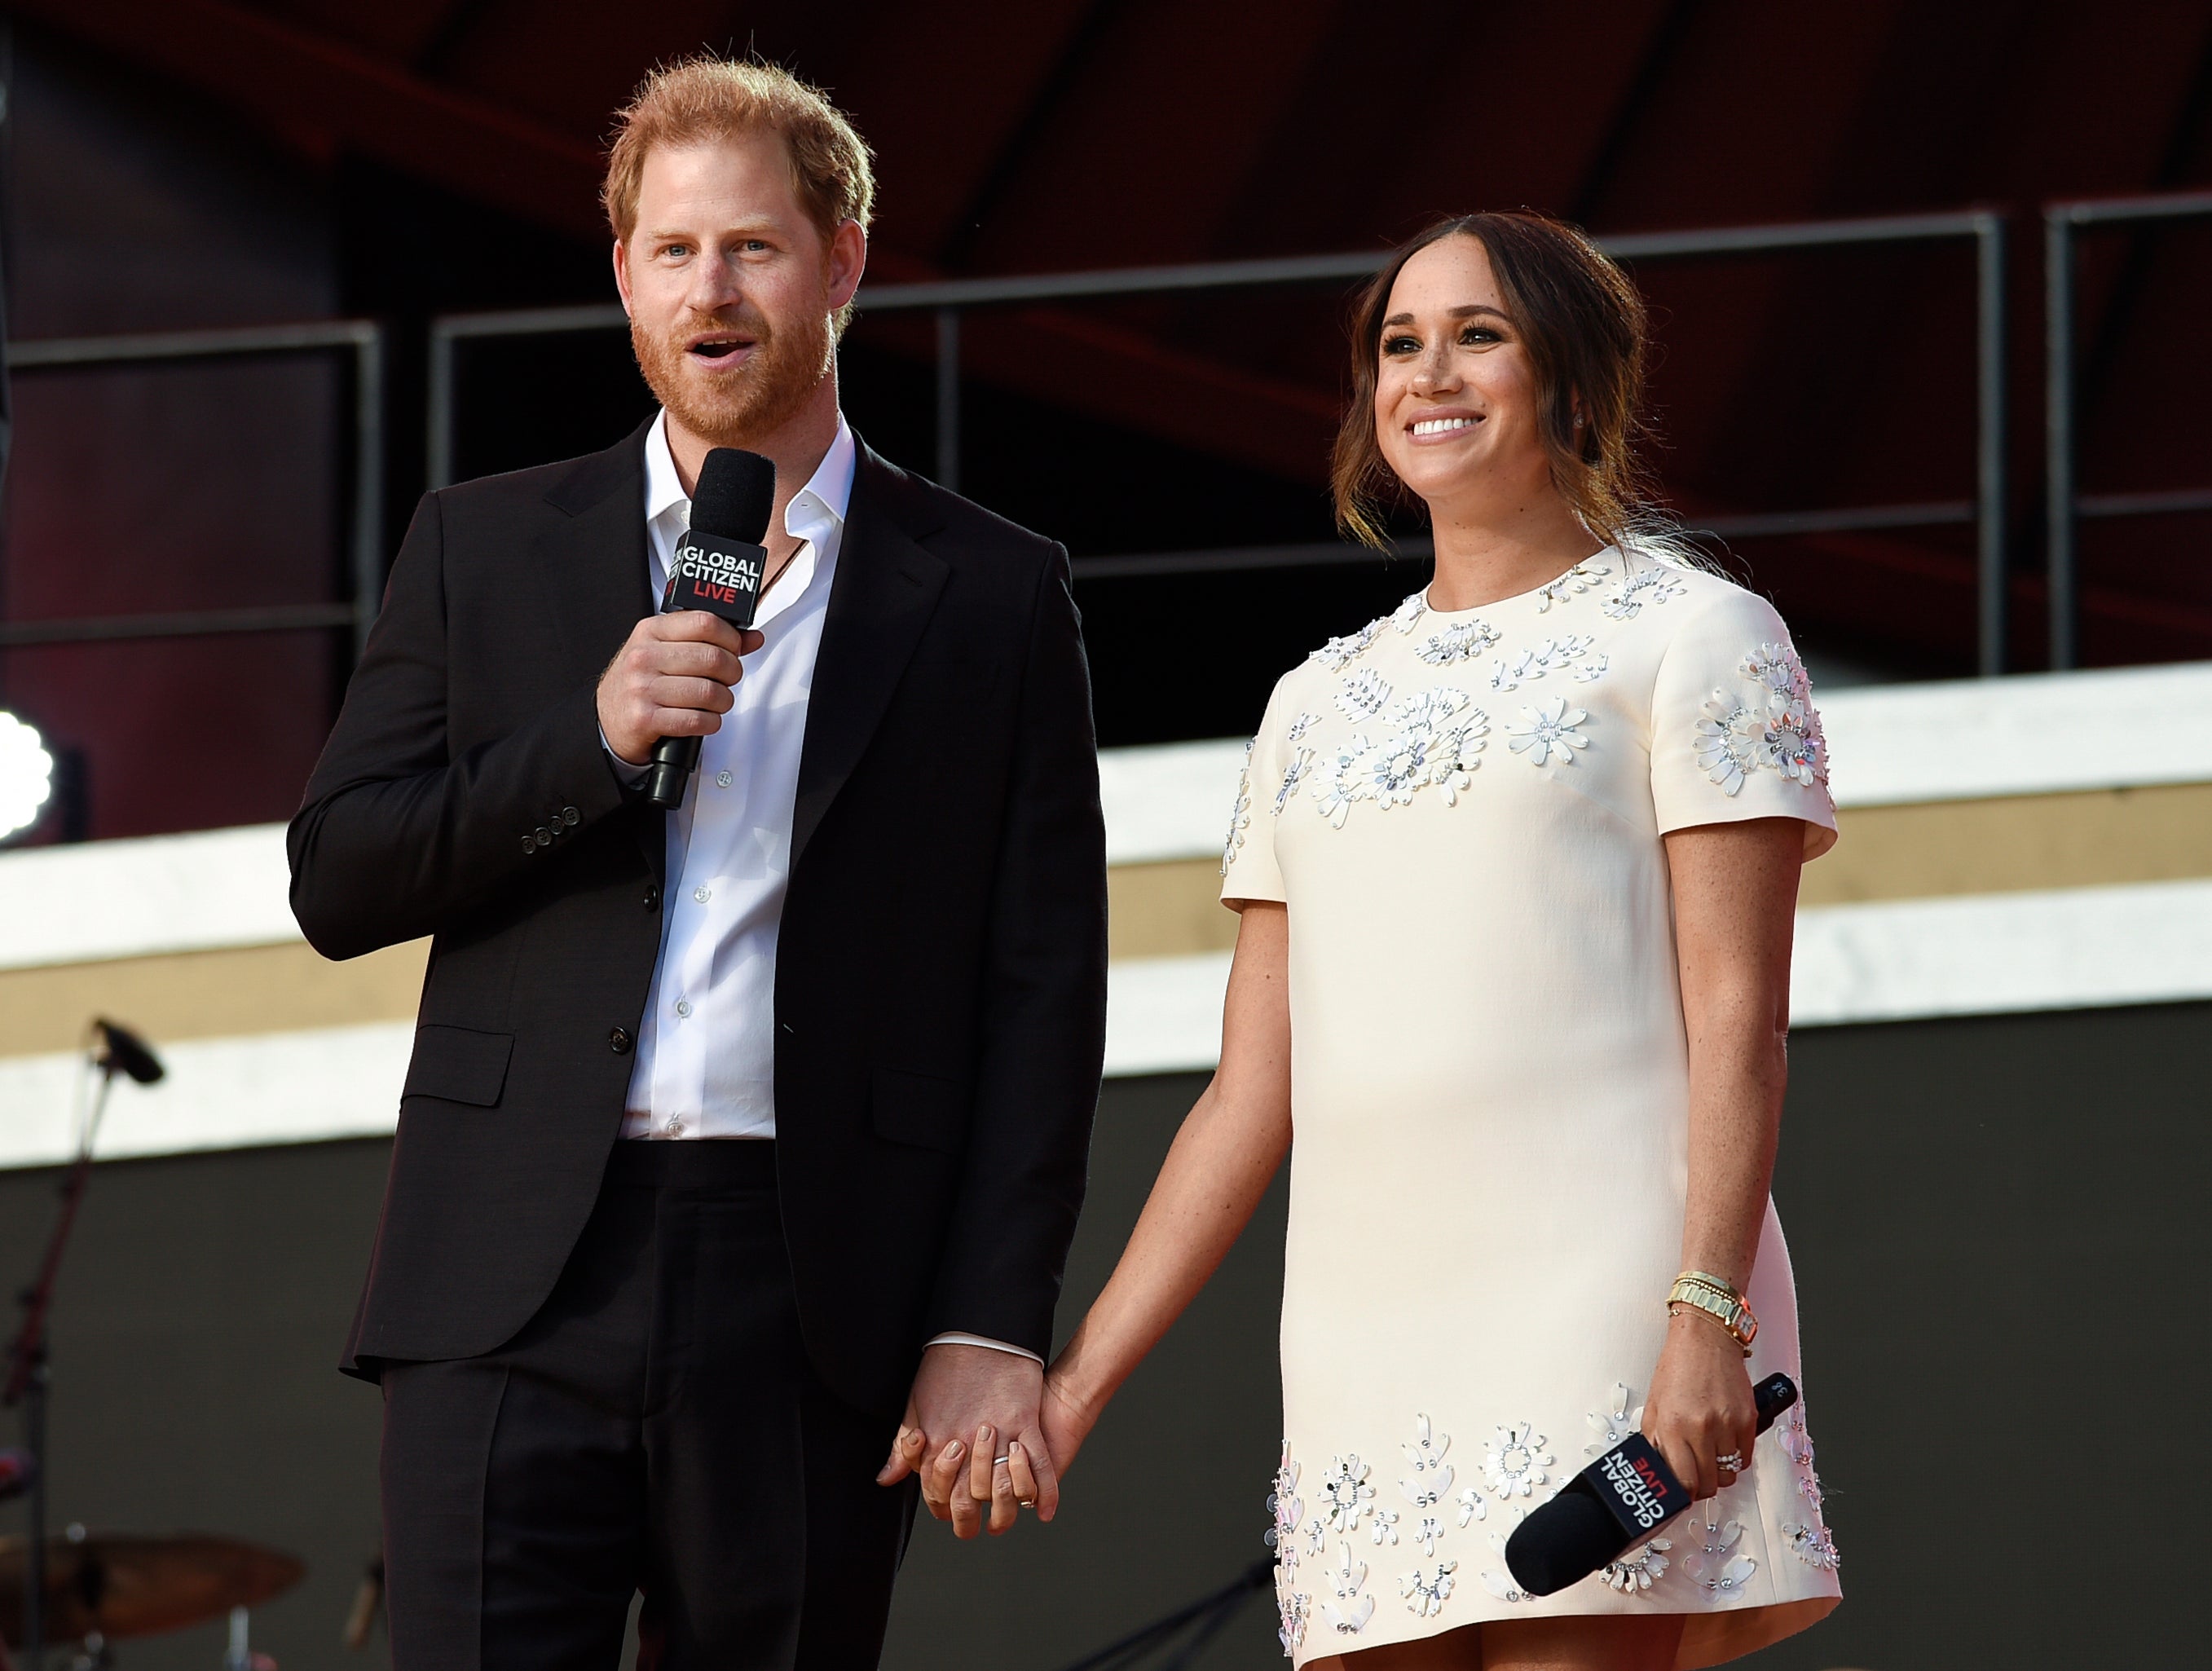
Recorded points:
(1435,739)
(1615,1425)
(1634,1575)
(1364,694)
(1432,1476)
(1386,1527)
(1341,653)
(1551,656)
(1240,815)
(1349,1613)
(1428,1532)
(1427,1590)
(1518,1462)
(1588,672)
(1286,1508)
(1579,578)
(1471,1506)
(1773,727)
(1551,731)
(1301,762)
(1407,615)
(1462,640)
(1815,1545)
(1719,1570)
(1344,1494)
(1300,726)
(1501,1584)
(1654,585)
(1293,1611)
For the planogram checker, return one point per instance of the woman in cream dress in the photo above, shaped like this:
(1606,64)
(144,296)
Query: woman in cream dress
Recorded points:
(1518,866)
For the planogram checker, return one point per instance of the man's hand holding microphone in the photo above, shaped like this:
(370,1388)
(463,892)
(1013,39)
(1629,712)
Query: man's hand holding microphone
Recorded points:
(671,684)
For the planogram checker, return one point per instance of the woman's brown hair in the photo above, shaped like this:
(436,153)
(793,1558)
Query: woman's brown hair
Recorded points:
(1582,324)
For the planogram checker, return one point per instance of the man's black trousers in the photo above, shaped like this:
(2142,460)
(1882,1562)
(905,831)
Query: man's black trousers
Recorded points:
(655,1428)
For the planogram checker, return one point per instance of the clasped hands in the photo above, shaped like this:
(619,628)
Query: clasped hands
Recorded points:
(986,1437)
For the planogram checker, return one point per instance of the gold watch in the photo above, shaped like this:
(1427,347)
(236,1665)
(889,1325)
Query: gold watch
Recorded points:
(1718,1301)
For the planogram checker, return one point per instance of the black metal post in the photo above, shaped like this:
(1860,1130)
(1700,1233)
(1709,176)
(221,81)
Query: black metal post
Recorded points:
(34,1566)
(369,483)
(1989,440)
(948,398)
(2058,432)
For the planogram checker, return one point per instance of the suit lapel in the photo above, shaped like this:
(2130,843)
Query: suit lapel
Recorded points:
(885,591)
(595,555)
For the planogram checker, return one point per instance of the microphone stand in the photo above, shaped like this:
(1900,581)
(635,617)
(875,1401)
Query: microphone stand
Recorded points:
(28,1382)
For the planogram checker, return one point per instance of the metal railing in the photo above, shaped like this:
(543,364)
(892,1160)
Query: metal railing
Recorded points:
(365,339)
(949,299)
(2064,506)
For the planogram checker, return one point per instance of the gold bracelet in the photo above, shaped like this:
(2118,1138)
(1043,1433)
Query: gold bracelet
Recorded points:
(1712,1297)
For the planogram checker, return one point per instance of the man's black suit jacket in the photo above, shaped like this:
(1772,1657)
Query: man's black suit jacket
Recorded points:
(940,973)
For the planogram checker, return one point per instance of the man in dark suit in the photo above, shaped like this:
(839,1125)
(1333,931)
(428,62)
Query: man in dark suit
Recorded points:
(733,1133)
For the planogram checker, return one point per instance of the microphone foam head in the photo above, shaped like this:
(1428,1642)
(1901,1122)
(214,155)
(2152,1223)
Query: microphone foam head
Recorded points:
(1562,1543)
(736,490)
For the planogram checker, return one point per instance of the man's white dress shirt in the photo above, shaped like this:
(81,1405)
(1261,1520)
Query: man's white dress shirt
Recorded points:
(705,1052)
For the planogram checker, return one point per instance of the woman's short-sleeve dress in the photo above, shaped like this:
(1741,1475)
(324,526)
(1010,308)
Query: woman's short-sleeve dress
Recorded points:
(1464,811)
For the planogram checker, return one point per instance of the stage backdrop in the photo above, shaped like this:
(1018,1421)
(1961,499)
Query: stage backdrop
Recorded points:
(1994,1223)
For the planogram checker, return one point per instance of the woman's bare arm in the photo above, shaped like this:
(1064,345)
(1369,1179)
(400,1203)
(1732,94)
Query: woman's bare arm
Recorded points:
(1220,1164)
(1735,896)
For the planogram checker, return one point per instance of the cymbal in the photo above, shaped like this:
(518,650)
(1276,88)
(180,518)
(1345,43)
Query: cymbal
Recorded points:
(123,1585)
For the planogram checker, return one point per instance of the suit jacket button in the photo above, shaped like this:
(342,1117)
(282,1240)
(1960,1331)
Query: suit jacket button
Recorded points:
(571,817)
(619,1041)
(652,899)
(530,844)
(544,837)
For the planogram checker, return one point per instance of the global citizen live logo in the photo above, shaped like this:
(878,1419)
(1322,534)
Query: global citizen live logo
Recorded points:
(714,577)
(1637,1486)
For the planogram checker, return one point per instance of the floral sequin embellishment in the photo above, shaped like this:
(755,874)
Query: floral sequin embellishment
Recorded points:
(1341,653)
(1554,655)
(1435,738)
(1462,640)
(1240,815)
(1654,585)
(1427,1590)
(1363,695)
(1408,614)
(1349,1613)
(1301,762)
(1293,1611)
(1344,1494)
(1814,1546)
(1286,1508)
(1634,1575)
(1773,727)
(1579,578)
(1716,1566)
(1518,1461)
(1551,731)
(1615,1424)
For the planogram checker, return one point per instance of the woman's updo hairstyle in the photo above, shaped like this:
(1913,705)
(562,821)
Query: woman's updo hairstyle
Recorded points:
(1582,324)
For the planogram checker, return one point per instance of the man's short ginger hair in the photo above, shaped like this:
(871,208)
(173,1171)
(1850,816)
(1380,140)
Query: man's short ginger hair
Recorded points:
(705,98)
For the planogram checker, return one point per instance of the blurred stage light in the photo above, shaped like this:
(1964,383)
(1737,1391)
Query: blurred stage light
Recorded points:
(26,775)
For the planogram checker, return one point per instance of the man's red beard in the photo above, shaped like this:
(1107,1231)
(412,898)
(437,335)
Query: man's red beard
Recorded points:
(735,410)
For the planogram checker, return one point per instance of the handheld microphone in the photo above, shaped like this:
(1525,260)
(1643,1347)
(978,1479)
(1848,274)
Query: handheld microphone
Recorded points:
(19,1471)
(122,1048)
(718,566)
(1627,1493)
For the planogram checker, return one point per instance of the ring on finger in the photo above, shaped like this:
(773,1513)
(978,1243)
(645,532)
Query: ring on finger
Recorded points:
(1733,1461)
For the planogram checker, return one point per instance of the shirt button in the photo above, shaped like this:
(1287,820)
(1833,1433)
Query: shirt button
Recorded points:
(652,899)
(675,1126)
(703,895)
(683,1006)
(619,1041)
(724,779)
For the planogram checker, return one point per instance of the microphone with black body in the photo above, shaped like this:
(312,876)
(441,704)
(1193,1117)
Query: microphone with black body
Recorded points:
(719,567)
(1627,1493)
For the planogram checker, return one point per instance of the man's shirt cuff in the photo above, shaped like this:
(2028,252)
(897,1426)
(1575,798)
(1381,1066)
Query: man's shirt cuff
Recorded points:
(956,1339)
(629,775)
